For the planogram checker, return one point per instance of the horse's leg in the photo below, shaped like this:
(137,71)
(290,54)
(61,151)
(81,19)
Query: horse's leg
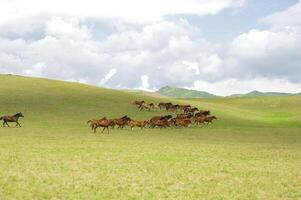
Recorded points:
(7,123)
(18,124)
(103,129)
(3,123)
(108,130)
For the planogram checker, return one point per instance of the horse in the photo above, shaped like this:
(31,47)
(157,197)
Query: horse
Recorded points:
(145,107)
(208,120)
(161,117)
(104,123)
(136,123)
(139,103)
(151,106)
(162,105)
(93,122)
(121,123)
(184,116)
(14,118)
(190,110)
(161,123)
(202,113)
(172,108)
(182,122)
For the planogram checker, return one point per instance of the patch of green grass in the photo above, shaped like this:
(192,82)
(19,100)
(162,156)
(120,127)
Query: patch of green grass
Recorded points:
(253,150)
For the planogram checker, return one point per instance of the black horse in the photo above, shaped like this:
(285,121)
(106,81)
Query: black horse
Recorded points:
(14,118)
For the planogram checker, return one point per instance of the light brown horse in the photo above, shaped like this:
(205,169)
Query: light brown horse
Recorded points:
(136,123)
(184,122)
(14,118)
(95,123)
(139,103)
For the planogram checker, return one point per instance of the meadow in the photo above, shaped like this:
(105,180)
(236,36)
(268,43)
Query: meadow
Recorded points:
(253,150)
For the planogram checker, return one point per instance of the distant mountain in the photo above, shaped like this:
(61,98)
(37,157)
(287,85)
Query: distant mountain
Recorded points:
(184,93)
(143,92)
(263,94)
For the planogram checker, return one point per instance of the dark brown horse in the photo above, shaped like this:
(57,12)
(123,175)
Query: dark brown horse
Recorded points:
(202,113)
(14,118)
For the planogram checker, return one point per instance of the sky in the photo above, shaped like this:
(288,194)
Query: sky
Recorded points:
(219,46)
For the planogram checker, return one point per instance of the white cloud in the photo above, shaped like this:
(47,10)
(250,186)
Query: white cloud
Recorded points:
(59,39)
(287,18)
(71,29)
(192,66)
(132,10)
(265,53)
(144,83)
(156,50)
(236,86)
(36,69)
(107,77)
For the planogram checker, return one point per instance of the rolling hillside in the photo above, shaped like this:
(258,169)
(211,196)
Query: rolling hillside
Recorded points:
(184,93)
(255,145)
(264,94)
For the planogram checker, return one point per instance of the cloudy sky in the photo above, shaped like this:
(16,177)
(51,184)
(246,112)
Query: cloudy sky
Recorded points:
(220,46)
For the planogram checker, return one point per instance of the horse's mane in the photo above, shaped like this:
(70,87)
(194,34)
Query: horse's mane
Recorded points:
(18,114)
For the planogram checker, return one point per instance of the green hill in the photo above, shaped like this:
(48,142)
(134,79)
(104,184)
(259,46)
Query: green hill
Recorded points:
(255,145)
(184,93)
(263,94)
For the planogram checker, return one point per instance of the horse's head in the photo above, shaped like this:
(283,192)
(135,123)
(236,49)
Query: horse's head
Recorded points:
(19,114)
(168,116)
(126,118)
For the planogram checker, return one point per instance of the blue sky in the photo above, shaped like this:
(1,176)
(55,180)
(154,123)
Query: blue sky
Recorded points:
(220,46)
(234,21)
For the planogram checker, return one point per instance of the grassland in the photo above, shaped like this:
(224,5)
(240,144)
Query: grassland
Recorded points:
(253,151)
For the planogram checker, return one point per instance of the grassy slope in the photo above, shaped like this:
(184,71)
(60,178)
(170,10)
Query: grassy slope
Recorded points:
(264,94)
(184,93)
(252,152)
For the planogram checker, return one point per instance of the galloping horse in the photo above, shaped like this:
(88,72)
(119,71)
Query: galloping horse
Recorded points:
(95,123)
(14,118)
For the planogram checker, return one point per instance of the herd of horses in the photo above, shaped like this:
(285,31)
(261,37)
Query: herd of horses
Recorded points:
(185,116)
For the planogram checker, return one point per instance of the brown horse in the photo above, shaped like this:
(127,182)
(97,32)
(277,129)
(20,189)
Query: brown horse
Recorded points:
(208,120)
(95,123)
(121,123)
(145,107)
(161,123)
(185,122)
(14,118)
(162,105)
(139,103)
(202,113)
(136,123)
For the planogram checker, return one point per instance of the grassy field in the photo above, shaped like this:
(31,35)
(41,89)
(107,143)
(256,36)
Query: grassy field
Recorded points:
(253,150)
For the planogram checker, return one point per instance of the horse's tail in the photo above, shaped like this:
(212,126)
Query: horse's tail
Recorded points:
(1,118)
